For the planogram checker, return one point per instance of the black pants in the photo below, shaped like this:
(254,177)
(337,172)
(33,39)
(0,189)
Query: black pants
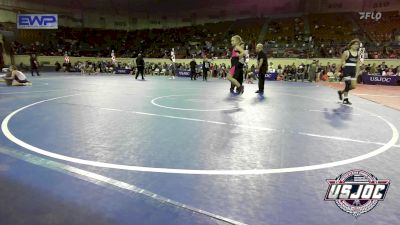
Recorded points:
(261,80)
(205,75)
(192,75)
(20,81)
(239,77)
(140,69)
(34,69)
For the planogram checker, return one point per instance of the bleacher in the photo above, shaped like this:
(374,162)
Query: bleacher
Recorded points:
(332,26)
(383,29)
(286,37)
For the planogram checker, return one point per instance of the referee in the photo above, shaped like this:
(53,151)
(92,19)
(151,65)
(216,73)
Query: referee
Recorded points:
(261,68)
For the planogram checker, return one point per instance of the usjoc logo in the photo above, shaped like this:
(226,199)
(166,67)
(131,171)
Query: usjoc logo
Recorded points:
(37,21)
(381,79)
(356,191)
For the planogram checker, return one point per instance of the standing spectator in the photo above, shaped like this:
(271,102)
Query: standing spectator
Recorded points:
(313,70)
(206,67)
(193,69)
(34,64)
(140,66)
(373,69)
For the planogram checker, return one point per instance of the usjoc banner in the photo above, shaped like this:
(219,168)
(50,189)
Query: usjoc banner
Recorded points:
(183,73)
(37,21)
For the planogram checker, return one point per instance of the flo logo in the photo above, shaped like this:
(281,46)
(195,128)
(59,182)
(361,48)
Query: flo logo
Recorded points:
(370,15)
(356,191)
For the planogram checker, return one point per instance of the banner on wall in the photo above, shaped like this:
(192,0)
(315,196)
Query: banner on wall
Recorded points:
(382,80)
(183,73)
(122,71)
(37,21)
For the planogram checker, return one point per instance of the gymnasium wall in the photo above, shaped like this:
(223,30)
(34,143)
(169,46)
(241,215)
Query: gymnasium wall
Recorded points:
(116,22)
(72,15)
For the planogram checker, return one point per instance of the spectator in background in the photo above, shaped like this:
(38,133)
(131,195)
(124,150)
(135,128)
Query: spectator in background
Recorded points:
(390,72)
(34,64)
(396,71)
(140,66)
(333,68)
(279,70)
(67,67)
(313,70)
(328,67)
(223,70)
(206,67)
(193,69)
(300,72)
(382,68)
(1,56)
(271,68)
(58,66)
(373,69)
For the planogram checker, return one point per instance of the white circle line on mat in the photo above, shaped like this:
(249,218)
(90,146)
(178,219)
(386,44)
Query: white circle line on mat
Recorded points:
(11,137)
(153,101)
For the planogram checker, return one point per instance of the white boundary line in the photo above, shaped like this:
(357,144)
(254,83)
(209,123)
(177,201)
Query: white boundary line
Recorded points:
(11,137)
(153,101)
(28,92)
(103,180)
(251,127)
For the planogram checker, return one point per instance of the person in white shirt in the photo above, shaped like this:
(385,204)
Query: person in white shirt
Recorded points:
(19,78)
(271,68)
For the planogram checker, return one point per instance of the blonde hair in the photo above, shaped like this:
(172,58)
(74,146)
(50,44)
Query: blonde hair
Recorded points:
(238,39)
(13,67)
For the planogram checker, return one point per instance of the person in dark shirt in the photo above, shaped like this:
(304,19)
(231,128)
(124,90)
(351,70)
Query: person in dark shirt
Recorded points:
(351,66)
(206,67)
(261,68)
(34,64)
(58,66)
(140,66)
(193,69)
(382,68)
